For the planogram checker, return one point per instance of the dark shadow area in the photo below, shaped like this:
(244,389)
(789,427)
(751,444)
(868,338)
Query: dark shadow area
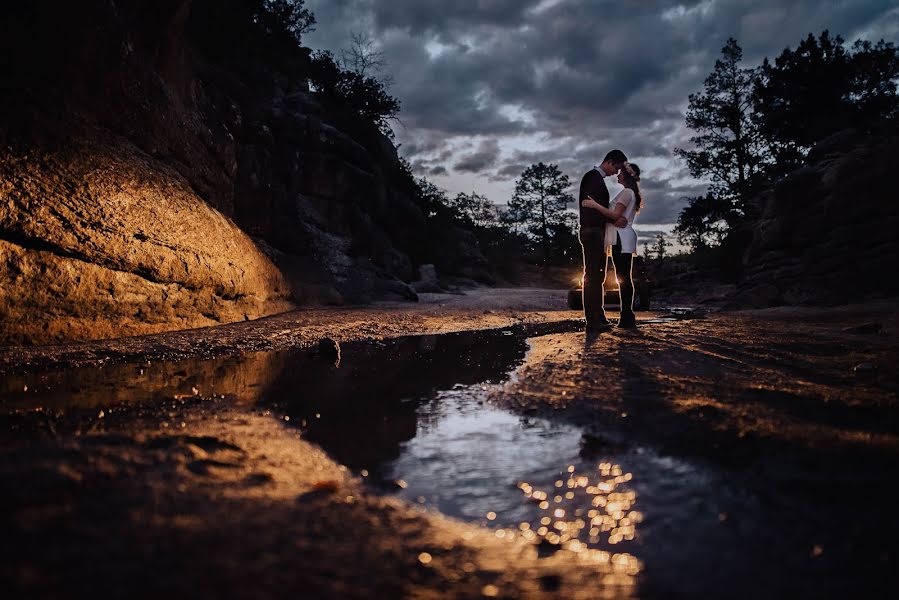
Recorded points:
(363,409)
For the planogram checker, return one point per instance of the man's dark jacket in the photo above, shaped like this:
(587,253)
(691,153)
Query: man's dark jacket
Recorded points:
(593,185)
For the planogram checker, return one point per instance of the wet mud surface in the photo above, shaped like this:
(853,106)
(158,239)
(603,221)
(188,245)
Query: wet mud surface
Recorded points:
(703,455)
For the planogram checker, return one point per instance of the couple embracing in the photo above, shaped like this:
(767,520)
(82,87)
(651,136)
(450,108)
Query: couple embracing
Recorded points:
(607,230)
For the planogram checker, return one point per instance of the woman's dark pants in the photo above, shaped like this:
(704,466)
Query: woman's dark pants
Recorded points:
(624,263)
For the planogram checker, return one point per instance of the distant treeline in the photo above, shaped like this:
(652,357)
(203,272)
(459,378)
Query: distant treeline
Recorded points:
(535,227)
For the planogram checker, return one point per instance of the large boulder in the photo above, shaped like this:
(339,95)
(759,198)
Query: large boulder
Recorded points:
(97,239)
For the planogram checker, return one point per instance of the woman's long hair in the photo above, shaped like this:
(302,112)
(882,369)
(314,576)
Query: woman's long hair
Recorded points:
(633,183)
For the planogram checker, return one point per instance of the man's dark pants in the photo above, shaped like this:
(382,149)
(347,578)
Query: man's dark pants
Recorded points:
(624,262)
(593,244)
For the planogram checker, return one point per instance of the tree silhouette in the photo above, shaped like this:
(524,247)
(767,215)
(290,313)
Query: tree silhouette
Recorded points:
(432,198)
(474,208)
(363,97)
(820,88)
(729,145)
(285,16)
(756,125)
(268,29)
(364,58)
(875,71)
(703,222)
(539,201)
(660,247)
(563,237)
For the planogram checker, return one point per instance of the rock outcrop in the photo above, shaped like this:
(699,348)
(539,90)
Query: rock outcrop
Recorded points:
(828,232)
(101,240)
(149,183)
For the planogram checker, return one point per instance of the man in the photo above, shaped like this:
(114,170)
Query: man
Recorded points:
(592,237)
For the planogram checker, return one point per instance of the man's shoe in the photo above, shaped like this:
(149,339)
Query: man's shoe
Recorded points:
(599,327)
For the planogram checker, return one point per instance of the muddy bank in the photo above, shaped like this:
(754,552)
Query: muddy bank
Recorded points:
(820,378)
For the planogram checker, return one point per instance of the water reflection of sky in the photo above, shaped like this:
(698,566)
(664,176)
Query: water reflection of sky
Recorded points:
(524,477)
(628,509)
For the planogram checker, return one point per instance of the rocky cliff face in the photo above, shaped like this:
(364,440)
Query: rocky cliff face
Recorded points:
(828,232)
(146,186)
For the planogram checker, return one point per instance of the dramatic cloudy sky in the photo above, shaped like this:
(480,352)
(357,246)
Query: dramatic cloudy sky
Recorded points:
(490,86)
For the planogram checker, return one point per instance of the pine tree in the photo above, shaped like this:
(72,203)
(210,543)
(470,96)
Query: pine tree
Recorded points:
(729,146)
(660,248)
(539,201)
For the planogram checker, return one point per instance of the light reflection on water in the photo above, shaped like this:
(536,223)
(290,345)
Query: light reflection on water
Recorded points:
(469,457)
(416,409)
(522,476)
(630,508)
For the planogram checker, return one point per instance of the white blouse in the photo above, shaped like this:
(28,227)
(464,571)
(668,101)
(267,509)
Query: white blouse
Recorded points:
(627,233)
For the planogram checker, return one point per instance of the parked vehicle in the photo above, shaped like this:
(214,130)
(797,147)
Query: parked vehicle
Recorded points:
(611,287)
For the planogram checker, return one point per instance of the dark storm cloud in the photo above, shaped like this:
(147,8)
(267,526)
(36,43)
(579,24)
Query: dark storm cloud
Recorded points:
(509,172)
(420,16)
(663,199)
(428,168)
(482,159)
(564,81)
(550,155)
(422,145)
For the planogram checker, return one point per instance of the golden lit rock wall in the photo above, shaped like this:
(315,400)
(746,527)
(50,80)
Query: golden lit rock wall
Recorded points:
(98,239)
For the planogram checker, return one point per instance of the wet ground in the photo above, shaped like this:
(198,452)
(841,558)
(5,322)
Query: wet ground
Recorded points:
(703,455)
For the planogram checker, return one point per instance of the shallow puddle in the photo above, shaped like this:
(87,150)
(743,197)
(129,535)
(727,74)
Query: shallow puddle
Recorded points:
(452,451)
(414,418)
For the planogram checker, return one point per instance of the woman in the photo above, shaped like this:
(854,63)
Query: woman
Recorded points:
(623,241)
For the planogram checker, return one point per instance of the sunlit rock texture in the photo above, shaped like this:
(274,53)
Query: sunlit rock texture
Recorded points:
(101,240)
